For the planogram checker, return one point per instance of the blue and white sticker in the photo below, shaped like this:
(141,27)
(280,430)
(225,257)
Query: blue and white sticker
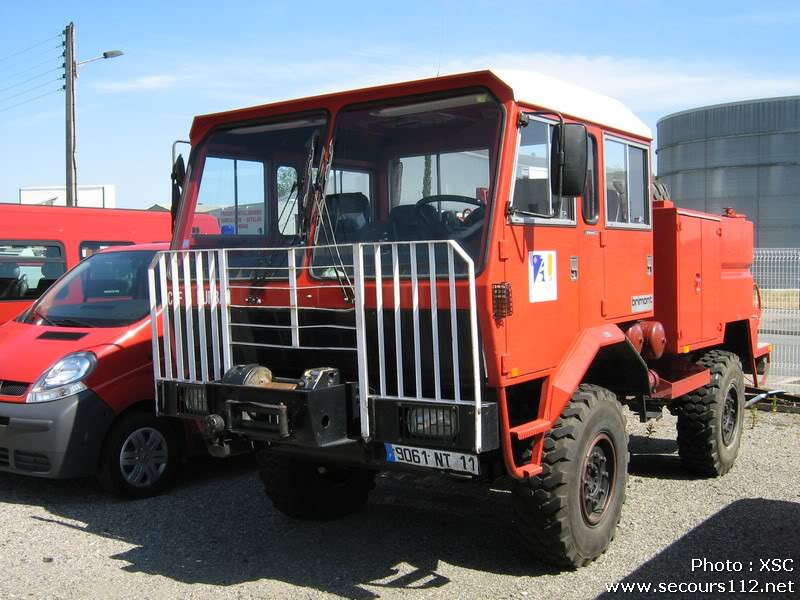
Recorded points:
(542,276)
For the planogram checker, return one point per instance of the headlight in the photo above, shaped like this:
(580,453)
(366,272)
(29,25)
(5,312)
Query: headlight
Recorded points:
(64,378)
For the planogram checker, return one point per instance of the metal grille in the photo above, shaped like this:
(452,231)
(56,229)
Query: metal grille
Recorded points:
(428,263)
(777,273)
(4,457)
(403,311)
(13,388)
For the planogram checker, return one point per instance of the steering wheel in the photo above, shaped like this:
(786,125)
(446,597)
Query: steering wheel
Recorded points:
(424,215)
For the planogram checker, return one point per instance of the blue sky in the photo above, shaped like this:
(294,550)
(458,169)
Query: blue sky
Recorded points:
(183,59)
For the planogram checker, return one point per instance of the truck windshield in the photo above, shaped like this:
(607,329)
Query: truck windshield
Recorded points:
(251,181)
(414,171)
(108,289)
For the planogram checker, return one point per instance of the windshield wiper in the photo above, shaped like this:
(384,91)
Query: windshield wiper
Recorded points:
(69,323)
(36,313)
(512,211)
(302,196)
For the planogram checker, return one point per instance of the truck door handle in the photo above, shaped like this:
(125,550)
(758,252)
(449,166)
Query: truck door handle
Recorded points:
(697,280)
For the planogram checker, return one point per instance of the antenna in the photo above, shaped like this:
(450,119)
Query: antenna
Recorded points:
(441,38)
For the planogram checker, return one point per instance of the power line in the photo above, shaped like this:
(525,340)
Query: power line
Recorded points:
(31,79)
(36,45)
(61,89)
(16,65)
(29,90)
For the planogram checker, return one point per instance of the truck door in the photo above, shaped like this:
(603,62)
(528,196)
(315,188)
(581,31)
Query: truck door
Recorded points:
(544,320)
(627,241)
(590,267)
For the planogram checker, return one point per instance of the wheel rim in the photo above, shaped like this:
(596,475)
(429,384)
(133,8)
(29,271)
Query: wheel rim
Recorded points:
(597,479)
(143,457)
(730,414)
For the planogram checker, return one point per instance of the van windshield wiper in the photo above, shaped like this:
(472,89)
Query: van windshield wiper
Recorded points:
(36,313)
(69,323)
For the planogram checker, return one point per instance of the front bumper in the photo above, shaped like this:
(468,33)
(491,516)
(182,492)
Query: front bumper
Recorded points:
(323,424)
(55,439)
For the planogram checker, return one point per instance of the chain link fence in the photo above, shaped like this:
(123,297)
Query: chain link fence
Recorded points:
(777,273)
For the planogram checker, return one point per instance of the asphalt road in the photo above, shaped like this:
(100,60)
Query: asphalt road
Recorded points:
(215,535)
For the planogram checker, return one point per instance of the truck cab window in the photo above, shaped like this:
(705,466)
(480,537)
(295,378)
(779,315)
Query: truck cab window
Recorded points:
(232,191)
(591,207)
(532,191)
(626,184)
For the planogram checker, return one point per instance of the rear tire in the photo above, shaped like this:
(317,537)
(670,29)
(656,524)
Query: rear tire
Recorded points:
(568,515)
(710,418)
(308,491)
(139,457)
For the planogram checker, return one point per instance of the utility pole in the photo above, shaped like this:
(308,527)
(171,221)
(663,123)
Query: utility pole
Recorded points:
(69,86)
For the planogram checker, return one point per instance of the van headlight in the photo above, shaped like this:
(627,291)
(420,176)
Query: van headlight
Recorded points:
(64,378)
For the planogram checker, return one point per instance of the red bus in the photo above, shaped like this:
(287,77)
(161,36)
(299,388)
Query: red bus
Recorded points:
(38,244)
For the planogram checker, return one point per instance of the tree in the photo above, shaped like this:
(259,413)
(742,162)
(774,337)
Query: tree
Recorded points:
(426,177)
(287,177)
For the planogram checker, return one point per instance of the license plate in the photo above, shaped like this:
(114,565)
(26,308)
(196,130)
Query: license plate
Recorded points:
(435,459)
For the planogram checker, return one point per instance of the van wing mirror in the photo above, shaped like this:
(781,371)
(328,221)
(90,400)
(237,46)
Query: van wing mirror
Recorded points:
(568,159)
(178,175)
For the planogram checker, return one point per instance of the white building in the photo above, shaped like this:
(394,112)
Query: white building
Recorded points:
(89,196)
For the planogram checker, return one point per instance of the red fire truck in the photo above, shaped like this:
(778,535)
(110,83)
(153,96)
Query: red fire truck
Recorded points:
(38,244)
(467,274)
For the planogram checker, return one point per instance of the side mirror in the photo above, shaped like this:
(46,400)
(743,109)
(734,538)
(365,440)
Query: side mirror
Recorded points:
(178,175)
(568,158)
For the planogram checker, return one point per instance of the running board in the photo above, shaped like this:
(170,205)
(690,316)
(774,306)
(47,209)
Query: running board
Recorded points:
(529,430)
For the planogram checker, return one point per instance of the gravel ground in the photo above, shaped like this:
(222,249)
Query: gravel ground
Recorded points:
(215,536)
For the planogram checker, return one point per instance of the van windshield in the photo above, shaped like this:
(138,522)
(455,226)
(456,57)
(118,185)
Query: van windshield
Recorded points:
(108,289)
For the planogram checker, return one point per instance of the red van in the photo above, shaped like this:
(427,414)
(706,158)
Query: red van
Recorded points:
(38,244)
(76,381)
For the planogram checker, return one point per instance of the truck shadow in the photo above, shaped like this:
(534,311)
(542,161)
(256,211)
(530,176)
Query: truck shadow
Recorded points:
(743,533)
(656,457)
(217,527)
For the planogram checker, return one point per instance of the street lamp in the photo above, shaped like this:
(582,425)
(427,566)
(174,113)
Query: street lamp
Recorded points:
(70,75)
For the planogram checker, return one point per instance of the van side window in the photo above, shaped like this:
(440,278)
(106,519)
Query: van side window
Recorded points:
(27,269)
(626,184)
(591,207)
(532,191)
(89,248)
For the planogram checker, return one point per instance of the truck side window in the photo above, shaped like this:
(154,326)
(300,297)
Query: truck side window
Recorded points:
(532,174)
(626,184)
(287,200)
(232,191)
(591,207)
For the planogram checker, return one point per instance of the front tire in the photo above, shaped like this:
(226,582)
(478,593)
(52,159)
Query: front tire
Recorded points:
(568,515)
(307,491)
(139,457)
(710,419)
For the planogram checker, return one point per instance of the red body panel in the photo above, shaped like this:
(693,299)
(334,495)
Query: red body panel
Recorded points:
(703,280)
(71,226)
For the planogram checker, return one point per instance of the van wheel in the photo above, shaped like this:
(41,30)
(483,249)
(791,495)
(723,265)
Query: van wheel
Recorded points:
(568,515)
(308,491)
(139,456)
(710,418)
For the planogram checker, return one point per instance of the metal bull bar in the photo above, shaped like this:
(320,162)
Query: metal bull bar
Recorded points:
(196,306)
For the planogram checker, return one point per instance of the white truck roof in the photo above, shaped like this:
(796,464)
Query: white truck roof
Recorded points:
(548,92)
